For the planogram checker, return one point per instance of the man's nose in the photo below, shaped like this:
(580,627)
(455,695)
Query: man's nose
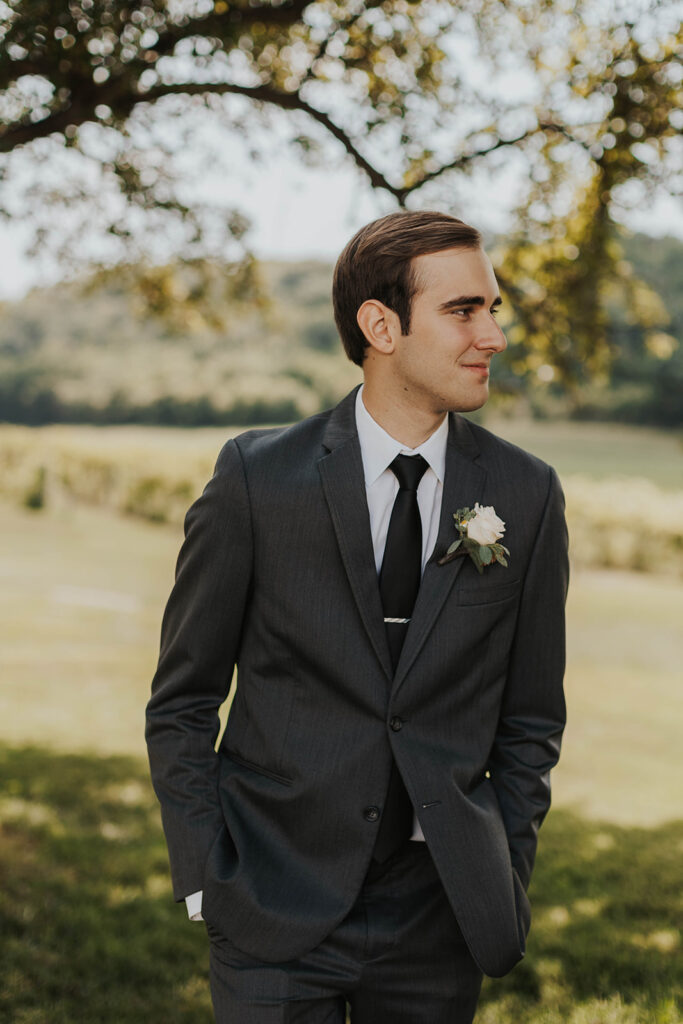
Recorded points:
(491,336)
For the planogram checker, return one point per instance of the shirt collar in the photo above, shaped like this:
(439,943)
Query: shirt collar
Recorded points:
(379,449)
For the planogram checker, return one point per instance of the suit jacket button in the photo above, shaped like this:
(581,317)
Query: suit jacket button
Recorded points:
(371,813)
(396,723)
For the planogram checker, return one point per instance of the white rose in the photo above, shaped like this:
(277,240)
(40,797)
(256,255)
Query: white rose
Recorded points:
(485,527)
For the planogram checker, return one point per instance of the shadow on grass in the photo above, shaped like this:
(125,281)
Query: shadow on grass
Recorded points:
(605,940)
(88,927)
(89,931)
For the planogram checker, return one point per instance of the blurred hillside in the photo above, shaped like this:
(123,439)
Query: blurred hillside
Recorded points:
(71,354)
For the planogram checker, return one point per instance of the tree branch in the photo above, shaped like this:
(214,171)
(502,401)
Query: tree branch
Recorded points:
(466,158)
(13,69)
(235,18)
(22,134)
(111,94)
(74,113)
(286,101)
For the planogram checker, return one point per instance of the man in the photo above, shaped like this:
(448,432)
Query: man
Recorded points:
(366,831)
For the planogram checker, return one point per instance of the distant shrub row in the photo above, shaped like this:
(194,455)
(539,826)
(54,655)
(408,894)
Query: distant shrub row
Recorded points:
(40,469)
(37,407)
(626,523)
(28,397)
(43,407)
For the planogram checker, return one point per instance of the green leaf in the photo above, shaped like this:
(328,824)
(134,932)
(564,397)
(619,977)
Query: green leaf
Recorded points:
(473,550)
(454,546)
(499,551)
(486,555)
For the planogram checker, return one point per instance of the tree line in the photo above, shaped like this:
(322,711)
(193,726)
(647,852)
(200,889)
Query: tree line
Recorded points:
(89,353)
(111,110)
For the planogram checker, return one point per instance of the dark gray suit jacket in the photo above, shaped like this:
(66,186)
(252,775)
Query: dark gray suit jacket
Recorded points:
(277,576)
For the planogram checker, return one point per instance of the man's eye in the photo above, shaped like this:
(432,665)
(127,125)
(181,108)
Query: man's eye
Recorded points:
(495,310)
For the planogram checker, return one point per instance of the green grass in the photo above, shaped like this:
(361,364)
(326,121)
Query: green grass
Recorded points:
(605,943)
(622,755)
(618,514)
(596,450)
(88,929)
(80,613)
(79,624)
(600,450)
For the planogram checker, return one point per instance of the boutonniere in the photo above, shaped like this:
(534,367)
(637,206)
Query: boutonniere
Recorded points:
(480,530)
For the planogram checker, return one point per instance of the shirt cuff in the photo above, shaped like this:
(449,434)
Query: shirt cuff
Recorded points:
(194,906)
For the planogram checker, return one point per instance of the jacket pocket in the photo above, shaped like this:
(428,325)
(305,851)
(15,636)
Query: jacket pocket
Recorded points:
(487,593)
(238,759)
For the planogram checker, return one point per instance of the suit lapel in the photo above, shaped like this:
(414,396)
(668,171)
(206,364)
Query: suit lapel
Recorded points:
(343,483)
(463,485)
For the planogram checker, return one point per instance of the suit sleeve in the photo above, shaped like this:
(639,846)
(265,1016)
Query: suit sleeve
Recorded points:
(529,732)
(200,636)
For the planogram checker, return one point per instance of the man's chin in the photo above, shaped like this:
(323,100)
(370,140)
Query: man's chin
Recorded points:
(469,404)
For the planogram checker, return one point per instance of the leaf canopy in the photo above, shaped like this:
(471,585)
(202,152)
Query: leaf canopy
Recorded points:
(111,111)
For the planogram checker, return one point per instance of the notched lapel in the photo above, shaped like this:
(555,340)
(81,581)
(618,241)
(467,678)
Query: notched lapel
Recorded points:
(463,485)
(343,483)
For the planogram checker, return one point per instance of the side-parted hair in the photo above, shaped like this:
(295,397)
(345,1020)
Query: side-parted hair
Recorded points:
(376,264)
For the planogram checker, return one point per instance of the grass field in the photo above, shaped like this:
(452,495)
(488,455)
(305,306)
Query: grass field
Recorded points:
(590,449)
(624,509)
(79,625)
(88,929)
(598,450)
(89,932)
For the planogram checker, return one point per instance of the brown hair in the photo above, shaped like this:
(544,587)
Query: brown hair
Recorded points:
(377,264)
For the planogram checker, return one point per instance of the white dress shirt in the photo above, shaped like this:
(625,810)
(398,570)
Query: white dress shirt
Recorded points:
(378,450)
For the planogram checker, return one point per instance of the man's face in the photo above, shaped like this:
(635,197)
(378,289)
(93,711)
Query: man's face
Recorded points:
(443,363)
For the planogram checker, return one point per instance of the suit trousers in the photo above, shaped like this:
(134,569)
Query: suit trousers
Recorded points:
(397,958)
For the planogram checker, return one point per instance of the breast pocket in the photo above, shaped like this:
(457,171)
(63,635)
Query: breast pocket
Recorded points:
(487,593)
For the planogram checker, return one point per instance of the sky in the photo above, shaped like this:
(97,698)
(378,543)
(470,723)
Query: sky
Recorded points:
(301,212)
(291,211)
(294,218)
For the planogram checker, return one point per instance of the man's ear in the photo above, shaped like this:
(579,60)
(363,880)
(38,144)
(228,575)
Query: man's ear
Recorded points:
(379,325)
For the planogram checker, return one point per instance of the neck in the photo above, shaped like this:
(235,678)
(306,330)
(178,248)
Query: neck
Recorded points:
(401,419)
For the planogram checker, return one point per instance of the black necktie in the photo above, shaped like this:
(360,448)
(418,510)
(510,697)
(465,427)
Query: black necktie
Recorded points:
(399,582)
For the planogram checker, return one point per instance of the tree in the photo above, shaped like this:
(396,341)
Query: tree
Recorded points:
(106,106)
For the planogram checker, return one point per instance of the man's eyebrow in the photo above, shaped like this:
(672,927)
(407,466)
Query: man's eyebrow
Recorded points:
(467,300)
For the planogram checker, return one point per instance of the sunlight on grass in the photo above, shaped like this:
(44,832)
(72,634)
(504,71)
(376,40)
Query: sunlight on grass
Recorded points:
(598,450)
(77,676)
(89,930)
(88,927)
(622,757)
